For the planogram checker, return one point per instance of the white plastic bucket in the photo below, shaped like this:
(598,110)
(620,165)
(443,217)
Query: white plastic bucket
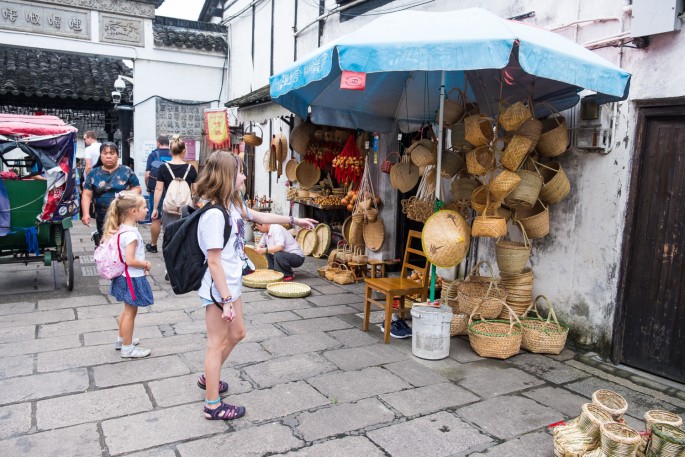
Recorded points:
(431,331)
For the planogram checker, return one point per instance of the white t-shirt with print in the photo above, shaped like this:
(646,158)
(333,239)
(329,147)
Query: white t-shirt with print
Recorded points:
(130,234)
(210,235)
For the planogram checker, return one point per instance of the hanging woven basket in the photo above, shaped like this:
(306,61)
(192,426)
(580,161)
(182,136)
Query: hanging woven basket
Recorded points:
(513,116)
(423,153)
(535,220)
(527,192)
(478,130)
(503,183)
(512,256)
(252,138)
(453,110)
(556,185)
(554,139)
(480,160)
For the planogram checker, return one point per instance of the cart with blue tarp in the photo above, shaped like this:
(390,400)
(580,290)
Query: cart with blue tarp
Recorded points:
(38,191)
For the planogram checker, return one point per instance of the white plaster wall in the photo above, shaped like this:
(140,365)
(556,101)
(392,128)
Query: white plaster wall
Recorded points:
(577,264)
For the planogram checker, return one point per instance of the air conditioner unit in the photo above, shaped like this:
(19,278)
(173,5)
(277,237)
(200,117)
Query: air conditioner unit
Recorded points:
(651,17)
(595,125)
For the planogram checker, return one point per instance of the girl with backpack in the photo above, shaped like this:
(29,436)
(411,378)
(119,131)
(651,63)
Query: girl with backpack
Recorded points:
(219,184)
(132,287)
(183,175)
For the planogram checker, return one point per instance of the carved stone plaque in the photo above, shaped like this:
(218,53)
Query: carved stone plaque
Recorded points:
(114,29)
(47,20)
(127,7)
(185,120)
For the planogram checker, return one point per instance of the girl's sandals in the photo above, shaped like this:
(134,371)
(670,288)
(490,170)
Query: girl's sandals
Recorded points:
(202,384)
(224,412)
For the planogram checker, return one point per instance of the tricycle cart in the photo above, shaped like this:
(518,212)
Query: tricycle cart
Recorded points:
(38,191)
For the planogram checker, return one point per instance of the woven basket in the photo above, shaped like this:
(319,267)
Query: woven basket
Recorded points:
(261,278)
(535,220)
(657,416)
(512,256)
(527,192)
(343,276)
(332,270)
(259,260)
(502,184)
(459,325)
(453,110)
(346,228)
(445,238)
(617,440)
(288,289)
(371,215)
(582,434)
(322,271)
(491,226)
(307,174)
(496,339)
(543,336)
(373,235)
(513,116)
(359,256)
(478,130)
(423,153)
(300,237)
(481,199)
(667,441)
(387,164)
(555,185)
(450,296)
(290,170)
(309,242)
(452,163)
(611,402)
(480,160)
(462,189)
(519,287)
(457,135)
(475,288)
(554,138)
(252,138)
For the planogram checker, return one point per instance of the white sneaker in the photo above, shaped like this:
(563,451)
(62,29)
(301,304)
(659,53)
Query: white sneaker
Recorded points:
(135,353)
(118,344)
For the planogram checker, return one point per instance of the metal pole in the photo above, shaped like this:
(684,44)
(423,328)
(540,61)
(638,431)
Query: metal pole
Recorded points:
(438,179)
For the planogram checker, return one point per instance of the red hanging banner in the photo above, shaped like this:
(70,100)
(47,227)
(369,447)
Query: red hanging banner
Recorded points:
(352,80)
(218,130)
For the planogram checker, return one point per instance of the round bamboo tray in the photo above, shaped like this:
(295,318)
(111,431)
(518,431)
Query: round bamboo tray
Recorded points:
(374,234)
(300,236)
(309,242)
(261,278)
(307,174)
(288,289)
(259,260)
(346,228)
(323,240)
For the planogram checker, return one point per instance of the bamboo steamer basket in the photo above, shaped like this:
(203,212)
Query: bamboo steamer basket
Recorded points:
(535,220)
(656,416)
(616,440)
(554,139)
(423,153)
(478,130)
(480,160)
(543,336)
(527,192)
(496,339)
(514,115)
(503,184)
(512,256)
(445,238)
(611,402)
(582,434)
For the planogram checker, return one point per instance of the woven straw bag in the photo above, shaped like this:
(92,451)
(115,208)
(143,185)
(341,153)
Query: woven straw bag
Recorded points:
(555,185)
(511,117)
(581,434)
(462,189)
(478,130)
(459,324)
(332,270)
(481,199)
(453,110)
(423,153)
(504,183)
(667,441)
(535,220)
(480,160)
(611,402)
(452,163)
(616,440)
(387,164)
(359,256)
(521,143)
(457,135)
(497,339)
(481,291)
(656,416)
(527,192)
(554,138)
(343,276)
(405,175)
(252,138)
(543,336)
(491,226)
(512,256)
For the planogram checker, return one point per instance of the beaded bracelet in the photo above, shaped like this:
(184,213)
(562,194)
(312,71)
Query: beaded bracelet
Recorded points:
(213,402)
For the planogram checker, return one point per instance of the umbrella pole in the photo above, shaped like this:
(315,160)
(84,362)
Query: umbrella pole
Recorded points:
(441,115)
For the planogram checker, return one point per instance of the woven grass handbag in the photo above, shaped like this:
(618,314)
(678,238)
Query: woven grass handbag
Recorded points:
(527,192)
(543,336)
(343,276)
(387,164)
(497,339)
(535,220)
(454,108)
(475,288)
(512,256)
(554,138)
(332,270)
(478,129)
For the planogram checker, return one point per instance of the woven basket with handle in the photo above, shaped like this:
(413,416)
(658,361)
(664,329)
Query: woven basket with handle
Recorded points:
(478,130)
(527,192)
(543,336)
(498,339)
(454,109)
(475,288)
(554,138)
(512,256)
(513,116)
(611,402)
(490,224)
(480,160)
(535,220)
(503,183)
(343,276)
(555,185)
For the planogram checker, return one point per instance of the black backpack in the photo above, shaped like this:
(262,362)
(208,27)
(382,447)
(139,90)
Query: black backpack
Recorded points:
(185,262)
(154,169)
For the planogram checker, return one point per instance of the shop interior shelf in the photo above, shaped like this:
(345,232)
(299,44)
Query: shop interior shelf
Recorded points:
(314,205)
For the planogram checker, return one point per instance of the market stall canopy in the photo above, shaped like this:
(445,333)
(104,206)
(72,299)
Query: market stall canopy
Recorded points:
(17,125)
(404,54)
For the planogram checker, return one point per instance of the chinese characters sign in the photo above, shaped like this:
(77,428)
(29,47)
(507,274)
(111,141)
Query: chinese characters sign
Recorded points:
(115,29)
(185,120)
(46,20)
(217,128)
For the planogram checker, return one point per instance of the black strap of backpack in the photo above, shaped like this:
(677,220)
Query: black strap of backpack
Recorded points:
(227,235)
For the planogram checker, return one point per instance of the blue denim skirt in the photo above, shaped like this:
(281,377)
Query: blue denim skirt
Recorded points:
(119,290)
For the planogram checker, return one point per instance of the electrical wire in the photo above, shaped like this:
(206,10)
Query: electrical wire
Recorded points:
(386,11)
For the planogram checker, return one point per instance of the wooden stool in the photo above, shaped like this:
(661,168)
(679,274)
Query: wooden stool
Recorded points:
(375,267)
(358,269)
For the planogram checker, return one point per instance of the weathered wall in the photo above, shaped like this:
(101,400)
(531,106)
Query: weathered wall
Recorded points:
(577,265)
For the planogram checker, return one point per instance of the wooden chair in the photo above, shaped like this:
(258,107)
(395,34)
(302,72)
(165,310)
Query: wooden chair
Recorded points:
(393,287)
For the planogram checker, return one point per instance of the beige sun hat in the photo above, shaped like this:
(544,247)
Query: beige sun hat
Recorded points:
(300,136)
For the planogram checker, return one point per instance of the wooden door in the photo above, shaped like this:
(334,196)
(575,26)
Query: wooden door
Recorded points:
(653,312)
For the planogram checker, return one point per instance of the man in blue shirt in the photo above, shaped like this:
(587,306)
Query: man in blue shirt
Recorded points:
(154,161)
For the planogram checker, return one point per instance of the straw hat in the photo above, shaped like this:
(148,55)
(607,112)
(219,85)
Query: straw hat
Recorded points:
(445,238)
(280,143)
(300,136)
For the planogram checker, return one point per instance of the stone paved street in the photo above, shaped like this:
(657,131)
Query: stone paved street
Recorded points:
(313,383)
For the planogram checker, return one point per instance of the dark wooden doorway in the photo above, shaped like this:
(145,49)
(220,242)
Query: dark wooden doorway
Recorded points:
(651,317)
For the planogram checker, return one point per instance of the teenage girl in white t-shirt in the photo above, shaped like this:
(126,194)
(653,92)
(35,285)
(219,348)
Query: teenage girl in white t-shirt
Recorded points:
(219,183)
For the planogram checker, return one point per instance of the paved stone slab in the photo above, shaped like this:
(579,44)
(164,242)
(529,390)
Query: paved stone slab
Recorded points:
(298,344)
(39,345)
(91,406)
(314,281)
(329,289)
(162,451)
(460,350)
(17,308)
(355,385)
(287,369)
(92,312)
(108,336)
(164,317)
(176,304)
(13,334)
(79,441)
(183,389)
(72,302)
(77,327)
(325,311)
(15,419)
(352,337)
(492,382)
(567,403)
(339,299)
(37,386)
(437,435)
(186,328)
(279,401)
(365,356)
(429,399)
(158,427)
(537,444)
(76,357)
(343,418)
(546,368)
(129,371)
(247,353)
(175,344)
(508,416)
(257,333)
(267,439)
(275,305)
(414,373)
(320,324)
(195,360)
(566,354)
(249,297)
(270,318)
(344,447)
(37,317)
(20,365)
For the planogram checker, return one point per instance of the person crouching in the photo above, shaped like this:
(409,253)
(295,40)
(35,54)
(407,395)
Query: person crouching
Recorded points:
(281,250)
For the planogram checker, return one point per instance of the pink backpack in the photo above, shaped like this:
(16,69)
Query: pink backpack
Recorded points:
(109,262)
